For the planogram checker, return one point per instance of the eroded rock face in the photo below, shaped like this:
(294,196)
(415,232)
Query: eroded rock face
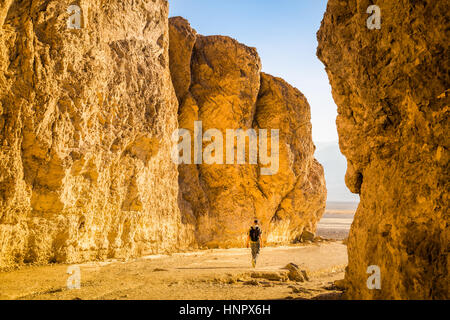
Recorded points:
(392,90)
(86,118)
(228,91)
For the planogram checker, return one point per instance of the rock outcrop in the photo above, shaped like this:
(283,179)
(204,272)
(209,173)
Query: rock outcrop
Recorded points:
(391,86)
(86,117)
(219,82)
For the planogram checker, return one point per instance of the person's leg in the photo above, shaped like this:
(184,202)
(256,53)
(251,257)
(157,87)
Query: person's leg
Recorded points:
(257,249)
(254,253)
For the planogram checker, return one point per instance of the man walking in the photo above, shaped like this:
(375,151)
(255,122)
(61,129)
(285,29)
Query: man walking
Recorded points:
(254,237)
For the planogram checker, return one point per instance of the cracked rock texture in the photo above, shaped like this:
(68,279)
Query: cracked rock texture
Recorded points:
(392,90)
(86,118)
(219,82)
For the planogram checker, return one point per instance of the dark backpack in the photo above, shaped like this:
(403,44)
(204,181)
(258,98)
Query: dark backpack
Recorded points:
(255,233)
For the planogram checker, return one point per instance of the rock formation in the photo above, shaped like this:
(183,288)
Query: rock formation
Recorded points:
(391,86)
(87,114)
(219,82)
(86,117)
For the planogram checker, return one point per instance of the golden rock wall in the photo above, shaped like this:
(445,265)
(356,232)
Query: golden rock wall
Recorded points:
(86,117)
(391,86)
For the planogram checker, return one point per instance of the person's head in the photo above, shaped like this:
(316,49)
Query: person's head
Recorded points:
(255,222)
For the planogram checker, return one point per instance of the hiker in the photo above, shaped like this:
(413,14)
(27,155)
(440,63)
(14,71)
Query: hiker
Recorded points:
(254,238)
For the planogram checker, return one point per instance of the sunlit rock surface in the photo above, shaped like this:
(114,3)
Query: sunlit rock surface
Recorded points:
(86,118)
(226,90)
(392,90)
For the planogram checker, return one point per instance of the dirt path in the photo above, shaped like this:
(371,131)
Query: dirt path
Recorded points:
(204,275)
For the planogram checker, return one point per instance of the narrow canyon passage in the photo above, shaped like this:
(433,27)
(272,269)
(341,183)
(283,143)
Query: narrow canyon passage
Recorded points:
(98,170)
(204,275)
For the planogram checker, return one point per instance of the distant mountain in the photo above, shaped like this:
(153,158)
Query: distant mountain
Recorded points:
(335,166)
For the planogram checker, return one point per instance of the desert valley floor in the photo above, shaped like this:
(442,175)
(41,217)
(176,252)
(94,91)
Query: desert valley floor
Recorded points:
(208,274)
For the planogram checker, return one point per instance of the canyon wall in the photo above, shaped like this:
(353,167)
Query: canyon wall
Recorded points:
(86,117)
(219,82)
(391,86)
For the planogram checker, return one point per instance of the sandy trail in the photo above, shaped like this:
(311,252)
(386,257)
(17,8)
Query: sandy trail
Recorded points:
(204,275)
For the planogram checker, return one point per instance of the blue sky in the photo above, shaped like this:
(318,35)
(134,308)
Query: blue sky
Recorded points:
(284,33)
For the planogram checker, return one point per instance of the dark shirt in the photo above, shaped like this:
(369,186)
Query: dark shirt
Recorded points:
(255,233)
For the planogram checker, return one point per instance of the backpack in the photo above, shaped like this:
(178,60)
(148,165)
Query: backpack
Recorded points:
(255,233)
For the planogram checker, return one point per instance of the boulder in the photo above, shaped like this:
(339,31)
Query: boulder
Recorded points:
(270,275)
(295,274)
(307,236)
